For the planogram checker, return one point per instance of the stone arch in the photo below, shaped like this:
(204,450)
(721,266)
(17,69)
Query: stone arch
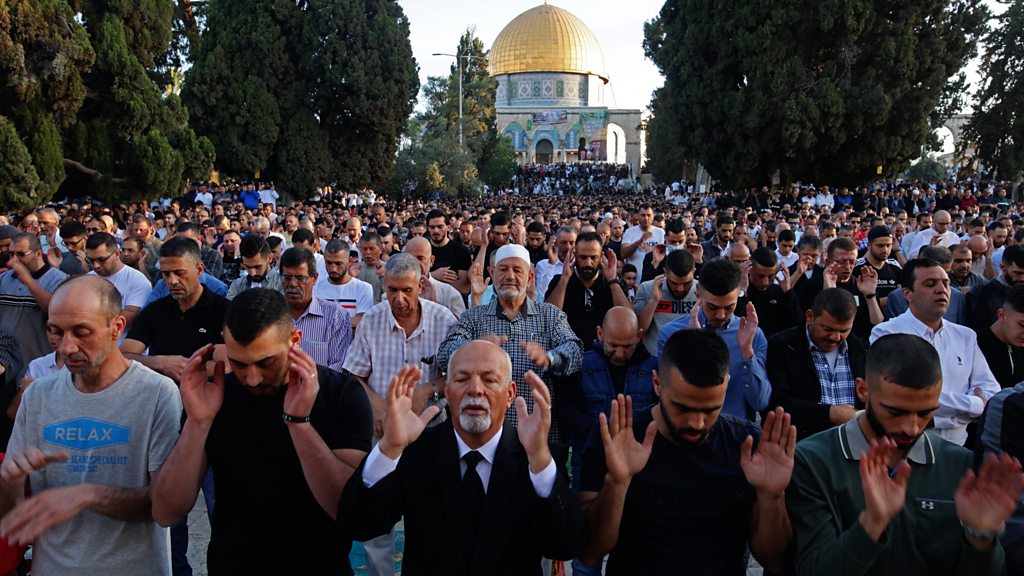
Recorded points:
(616,143)
(629,122)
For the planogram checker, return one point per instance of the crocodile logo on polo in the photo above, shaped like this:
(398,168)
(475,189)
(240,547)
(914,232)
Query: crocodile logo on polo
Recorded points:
(86,434)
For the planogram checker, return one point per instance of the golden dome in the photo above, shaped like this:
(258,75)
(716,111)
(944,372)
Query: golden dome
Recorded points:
(547,39)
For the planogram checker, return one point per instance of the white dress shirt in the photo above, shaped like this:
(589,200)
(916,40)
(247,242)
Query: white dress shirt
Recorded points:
(378,465)
(964,371)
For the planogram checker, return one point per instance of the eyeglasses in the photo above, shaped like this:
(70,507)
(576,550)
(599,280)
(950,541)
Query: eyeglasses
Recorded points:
(74,242)
(288,279)
(101,259)
(22,254)
(92,230)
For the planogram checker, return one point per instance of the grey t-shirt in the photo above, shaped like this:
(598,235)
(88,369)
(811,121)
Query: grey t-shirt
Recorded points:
(668,309)
(115,437)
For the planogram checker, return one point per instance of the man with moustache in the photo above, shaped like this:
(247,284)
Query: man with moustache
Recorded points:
(172,328)
(883,495)
(967,382)
(282,436)
(961,276)
(680,484)
(587,290)
(535,334)
(477,497)
(325,326)
(451,260)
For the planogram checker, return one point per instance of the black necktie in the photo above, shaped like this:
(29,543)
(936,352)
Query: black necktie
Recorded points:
(472,499)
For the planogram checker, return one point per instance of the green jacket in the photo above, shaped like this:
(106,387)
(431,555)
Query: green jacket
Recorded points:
(825,500)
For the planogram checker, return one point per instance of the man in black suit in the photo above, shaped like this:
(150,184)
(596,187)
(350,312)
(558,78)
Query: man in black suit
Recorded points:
(813,367)
(478,498)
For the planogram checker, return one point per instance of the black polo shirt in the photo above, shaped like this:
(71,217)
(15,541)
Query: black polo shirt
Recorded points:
(584,314)
(167,331)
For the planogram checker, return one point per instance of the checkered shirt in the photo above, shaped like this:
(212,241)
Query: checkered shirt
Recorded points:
(837,385)
(538,322)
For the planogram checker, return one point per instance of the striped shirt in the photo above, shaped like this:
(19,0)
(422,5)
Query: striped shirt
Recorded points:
(326,332)
(381,347)
(21,314)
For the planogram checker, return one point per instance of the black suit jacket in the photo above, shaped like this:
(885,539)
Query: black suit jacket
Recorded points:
(518,527)
(795,383)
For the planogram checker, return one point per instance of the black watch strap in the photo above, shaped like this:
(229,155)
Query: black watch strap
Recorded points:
(294,419)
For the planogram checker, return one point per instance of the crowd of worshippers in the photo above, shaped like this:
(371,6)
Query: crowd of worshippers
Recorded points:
(821,383)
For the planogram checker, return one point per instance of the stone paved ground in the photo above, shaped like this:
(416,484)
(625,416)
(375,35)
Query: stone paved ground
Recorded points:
(199,538)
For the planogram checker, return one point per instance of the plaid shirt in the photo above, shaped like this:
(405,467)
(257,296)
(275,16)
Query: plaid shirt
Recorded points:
(837,385)
(381,347)
(538,322)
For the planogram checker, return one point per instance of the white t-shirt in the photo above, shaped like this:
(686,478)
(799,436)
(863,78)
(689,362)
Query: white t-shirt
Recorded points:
(355,296)
(206,199)
(132,284)
(635,233)
(924,238)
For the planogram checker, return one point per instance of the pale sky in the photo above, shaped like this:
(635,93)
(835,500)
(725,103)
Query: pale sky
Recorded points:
(437,25)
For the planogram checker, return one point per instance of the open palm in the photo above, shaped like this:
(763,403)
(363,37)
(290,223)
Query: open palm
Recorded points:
(402,426)
(624,455)
(770,468)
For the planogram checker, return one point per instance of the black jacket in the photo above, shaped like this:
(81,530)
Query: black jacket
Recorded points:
(517,527)
(794,379)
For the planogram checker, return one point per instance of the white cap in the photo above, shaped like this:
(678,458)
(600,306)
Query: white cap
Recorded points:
(511,251)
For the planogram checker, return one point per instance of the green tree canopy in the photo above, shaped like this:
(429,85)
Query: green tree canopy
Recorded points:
(997,126)
(820,90)
(304,92)
(130,141)
(44,54)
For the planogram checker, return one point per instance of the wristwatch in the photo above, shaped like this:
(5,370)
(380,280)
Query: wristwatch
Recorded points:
(984,534)
(551,358)
(870,296)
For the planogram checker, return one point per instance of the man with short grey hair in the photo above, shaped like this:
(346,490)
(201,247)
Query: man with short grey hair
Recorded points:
(404,329)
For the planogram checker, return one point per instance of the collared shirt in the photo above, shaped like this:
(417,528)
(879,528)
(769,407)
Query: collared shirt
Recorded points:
(536,322)
(965,372)
(381,347)
(378,465)
(272,281)
(837,384)
(545,272)
(749,389)
(326,332)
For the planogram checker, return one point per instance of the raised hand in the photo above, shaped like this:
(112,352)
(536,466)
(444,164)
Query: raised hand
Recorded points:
(568,264)
(19,465)
(609,265)
(533,428)
(427,288)
(201,396)
(984,501)
(769,469)
(303,385)
(658,288)
(476,280)
(748,330)
(402,426)
(787,281)
(884,496)
(356,269)
(552,252)
(694,323)
(867,282)
(830,277)
(623,455)
(54,257)
(660,251)
(697,251)
(745,268)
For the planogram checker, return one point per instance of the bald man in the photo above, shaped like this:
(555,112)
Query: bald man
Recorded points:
(87,440)
(620,365)
(441,292)
(939,234)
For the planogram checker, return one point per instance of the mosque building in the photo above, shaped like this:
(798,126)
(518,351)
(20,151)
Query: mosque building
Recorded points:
(552,86)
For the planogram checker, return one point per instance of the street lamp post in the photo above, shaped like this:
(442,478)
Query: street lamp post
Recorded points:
(458,60)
